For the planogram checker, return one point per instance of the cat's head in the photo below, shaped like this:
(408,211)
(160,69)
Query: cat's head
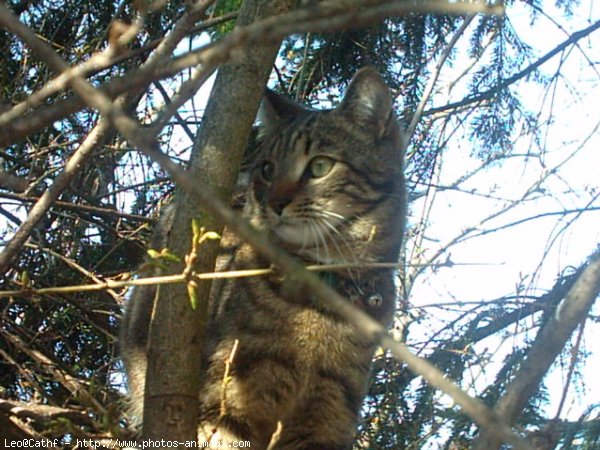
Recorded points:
(325,182)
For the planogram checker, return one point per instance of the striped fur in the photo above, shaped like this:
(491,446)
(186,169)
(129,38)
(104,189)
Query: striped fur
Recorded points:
(329,188)
(297,362)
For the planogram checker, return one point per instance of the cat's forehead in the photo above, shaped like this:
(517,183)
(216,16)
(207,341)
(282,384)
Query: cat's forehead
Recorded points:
(313,133)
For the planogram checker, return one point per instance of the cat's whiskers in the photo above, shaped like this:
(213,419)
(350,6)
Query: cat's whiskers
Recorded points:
(333,231)
(336,236)
(323,234)
(305,239)
(314,237)
(327,213)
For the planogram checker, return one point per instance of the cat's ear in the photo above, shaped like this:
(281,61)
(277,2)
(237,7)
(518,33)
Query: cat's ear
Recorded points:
(276,109)
(368,101)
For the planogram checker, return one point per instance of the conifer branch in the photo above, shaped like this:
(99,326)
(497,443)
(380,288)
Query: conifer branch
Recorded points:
(491,93)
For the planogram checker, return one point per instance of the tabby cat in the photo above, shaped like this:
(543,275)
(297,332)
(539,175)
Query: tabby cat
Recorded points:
(328,186)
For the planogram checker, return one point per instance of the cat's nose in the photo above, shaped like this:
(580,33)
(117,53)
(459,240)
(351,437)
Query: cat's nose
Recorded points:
(278,204)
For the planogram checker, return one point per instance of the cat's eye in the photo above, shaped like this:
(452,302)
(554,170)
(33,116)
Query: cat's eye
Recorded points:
(320,166)
(268,170)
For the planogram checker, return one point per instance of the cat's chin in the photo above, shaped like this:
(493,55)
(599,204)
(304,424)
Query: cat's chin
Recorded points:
(303,241)
(296,235)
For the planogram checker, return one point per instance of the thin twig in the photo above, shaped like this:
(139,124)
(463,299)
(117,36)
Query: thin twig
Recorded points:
(490,93)
(569,378)
(96,210)
(275,436)
(69,262)
(45,202)
(435,75)
(101,285)
(327,17)
(226,379)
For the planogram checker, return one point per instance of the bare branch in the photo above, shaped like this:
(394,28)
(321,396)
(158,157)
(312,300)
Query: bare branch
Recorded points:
(101,285)
(95,210)
(325,17)
(72,384)
(491,93)
(515,223)
(549,342)
(74,164)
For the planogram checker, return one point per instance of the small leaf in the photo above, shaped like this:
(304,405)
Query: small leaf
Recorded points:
(168,256)
(192,294)
(163,255)
(153,253)
(212,235)
(196,229)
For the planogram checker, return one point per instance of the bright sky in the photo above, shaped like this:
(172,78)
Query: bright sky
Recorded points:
(517,252)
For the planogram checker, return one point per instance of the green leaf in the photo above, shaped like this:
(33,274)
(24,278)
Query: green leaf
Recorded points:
(196,229)
(212,235)
(192,294)
(153,253)
(168,256)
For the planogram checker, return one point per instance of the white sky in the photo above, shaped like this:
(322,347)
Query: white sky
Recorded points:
(518,251)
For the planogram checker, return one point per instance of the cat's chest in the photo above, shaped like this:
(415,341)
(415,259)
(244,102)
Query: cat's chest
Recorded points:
(322,342)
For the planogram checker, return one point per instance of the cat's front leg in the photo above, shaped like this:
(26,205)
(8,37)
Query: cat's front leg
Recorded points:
(245,400)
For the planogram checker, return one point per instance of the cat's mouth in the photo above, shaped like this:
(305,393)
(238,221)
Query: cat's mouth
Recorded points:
(323,244)
(306,233)
(311,230)
(297,234)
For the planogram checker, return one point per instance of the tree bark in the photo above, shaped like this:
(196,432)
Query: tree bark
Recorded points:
(176,333)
